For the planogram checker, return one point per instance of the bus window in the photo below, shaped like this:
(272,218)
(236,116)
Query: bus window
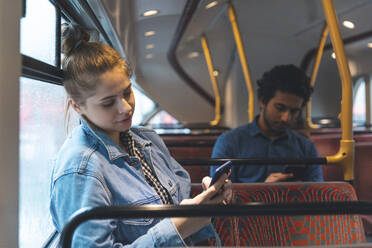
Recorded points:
(163,117)
(359,103)
(145,108)
(41,135)
(41,126)
(38,31)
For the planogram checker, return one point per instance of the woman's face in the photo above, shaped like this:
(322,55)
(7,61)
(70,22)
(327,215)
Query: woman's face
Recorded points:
(111,107)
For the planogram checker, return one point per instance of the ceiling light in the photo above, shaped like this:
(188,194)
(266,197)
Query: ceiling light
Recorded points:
(150,12)
(193,55)
(149,46)
(149,33)
(333,55)
(348,24)
(324,121)
(369,44)
(211,4)
(216,73)
(149,56)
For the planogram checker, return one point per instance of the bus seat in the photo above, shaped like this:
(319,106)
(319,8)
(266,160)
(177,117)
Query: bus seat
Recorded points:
(191,147)
(362,182)
(290,230)
(326,145)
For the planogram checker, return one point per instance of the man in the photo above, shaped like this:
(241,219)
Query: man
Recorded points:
(282,93)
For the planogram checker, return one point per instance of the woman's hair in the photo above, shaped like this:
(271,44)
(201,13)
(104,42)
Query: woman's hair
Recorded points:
(284,78)
(84,62)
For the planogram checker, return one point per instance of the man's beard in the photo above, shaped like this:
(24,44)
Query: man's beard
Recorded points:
(270,127)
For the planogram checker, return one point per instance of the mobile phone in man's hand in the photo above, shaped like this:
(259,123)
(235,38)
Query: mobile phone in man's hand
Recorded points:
(298,172)
(223,169)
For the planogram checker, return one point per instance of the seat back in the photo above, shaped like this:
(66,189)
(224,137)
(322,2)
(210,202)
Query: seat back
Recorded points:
(290,230)
(192,147)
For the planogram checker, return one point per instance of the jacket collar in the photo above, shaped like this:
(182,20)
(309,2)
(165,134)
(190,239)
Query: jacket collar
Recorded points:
(113,150)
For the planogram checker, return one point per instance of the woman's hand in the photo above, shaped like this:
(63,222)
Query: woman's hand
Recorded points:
(220,192)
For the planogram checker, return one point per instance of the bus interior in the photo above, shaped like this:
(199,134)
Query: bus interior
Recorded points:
(195,65)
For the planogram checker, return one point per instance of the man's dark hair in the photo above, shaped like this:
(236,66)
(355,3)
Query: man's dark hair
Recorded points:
(284,78)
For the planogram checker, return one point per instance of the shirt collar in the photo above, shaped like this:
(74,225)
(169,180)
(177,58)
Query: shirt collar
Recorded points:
(113,150)
(255,130)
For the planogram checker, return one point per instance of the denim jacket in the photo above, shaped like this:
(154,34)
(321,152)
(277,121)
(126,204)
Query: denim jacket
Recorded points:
(90,170)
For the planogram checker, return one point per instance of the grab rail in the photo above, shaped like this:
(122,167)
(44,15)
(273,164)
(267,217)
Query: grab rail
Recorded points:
(252,161)
(248,209)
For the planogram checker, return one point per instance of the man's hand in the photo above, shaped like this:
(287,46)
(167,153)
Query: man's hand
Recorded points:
(277,177)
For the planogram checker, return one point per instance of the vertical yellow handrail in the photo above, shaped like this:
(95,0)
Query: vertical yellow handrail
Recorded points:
(314,74)
(208,59)
(345,155)
(243,61)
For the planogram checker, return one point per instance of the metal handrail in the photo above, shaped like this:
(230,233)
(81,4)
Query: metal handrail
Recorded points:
(185,18)
(217,105)
(345,155)
(253,161)
(314,73)
(243,61)
(248,209)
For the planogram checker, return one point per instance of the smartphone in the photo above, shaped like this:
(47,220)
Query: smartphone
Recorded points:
(220,171)
(297,171)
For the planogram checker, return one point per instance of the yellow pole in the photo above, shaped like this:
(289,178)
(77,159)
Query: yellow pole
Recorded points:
(243,61)
(345,155)
(208,59)
(314,74)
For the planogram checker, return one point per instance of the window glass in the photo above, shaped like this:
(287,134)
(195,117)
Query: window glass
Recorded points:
(38,31)
(144,106)
(163,117)
(41,135)
(359,105)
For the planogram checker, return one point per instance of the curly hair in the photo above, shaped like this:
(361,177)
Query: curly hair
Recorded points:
(284,78)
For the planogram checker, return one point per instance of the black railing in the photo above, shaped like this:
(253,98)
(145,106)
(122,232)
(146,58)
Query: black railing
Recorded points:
(253,161)
(249,209)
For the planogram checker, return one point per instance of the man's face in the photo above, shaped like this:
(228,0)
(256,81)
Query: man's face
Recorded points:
(280,112)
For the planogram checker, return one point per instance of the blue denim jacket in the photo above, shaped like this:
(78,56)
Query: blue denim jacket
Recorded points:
(91,170)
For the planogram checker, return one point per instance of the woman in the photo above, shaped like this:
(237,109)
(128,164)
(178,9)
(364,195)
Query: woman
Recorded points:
(105,162)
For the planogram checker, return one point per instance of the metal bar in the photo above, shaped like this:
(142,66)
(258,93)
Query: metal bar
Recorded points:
(314,74)
(190,144)
(350,40)
(345,156)
(186,16)
(252,161)
(39,70)
(248,209)
(243,61)
(68,10)
(208,59)
(58,37)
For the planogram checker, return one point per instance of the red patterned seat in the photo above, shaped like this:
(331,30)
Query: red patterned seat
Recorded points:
(196,172)
(290,230)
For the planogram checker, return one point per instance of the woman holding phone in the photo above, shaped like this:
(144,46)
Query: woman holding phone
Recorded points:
(106,162)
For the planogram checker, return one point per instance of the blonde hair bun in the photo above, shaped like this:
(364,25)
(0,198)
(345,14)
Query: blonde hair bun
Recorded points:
(73,35)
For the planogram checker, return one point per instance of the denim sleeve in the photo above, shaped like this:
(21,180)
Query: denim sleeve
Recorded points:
(73,192)
(315,172)
(205,233)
